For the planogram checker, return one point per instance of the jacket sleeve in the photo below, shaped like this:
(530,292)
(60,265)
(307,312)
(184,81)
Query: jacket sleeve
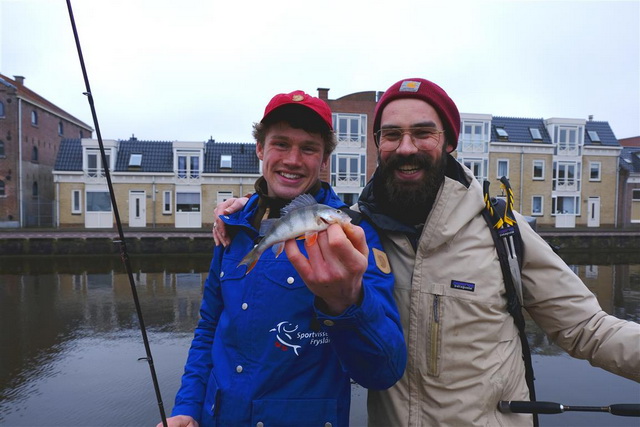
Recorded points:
(569,313)
(368,338)
(190,397)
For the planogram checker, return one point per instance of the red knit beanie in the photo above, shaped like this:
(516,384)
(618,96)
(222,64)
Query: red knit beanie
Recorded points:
(432,94)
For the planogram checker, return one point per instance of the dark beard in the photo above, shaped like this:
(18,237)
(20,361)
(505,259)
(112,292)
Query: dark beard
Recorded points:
(411,202)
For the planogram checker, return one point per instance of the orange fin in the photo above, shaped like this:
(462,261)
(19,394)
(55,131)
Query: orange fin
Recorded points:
(278,248)
(311,238)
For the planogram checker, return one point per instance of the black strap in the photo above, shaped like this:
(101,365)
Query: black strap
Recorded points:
(513,303)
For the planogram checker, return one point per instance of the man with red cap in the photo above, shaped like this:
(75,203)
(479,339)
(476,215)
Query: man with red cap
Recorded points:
(464,349)
(279,346)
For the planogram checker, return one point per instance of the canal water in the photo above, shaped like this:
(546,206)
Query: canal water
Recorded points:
(70,343)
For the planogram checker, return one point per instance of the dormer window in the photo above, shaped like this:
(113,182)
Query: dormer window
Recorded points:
(594,136)
(503,135)
(135,160)
(225,161)
(535,134)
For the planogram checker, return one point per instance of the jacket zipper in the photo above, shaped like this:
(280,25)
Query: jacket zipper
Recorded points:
(435,337)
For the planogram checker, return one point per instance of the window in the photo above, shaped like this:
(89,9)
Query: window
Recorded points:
(566,176)
(535,134)
(2,154)
(565,205)
(635,205)
(635,195)
(166,202)
(60,128)
(474,137)
(34,189)
(2,189)
(503,168)
(135,160)
(34,154)
(536,205)
(94,162)
(477,166)
(98,201)
(348,170)
(567,140)
(225,161)
(188,164)
(1,109)
(34,117)
(594,136)
(76,201)
(351,129)
(538,169)
(503,135)
(594,171)
(188,202)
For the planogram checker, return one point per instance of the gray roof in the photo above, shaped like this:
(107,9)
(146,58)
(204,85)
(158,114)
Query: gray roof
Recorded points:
(607,138)
(518,130)
(630,159)
(157,156)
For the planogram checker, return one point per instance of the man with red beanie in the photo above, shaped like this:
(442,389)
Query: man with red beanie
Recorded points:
(280,345)
(464,349)
(464,352)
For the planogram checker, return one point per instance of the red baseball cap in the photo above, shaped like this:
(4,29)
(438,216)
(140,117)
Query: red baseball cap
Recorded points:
(298,97)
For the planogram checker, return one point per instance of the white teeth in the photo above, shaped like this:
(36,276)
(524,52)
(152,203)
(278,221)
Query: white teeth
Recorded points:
(408,169)
(290,175)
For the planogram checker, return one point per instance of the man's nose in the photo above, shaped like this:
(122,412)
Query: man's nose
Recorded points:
(406,145)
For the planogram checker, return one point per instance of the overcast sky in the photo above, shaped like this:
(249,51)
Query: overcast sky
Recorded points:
(193,69)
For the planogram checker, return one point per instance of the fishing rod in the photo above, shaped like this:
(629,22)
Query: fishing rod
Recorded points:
(525,407)
(123,247)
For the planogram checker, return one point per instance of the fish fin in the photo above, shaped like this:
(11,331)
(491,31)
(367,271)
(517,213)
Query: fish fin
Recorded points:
(250,260)
(266,225)
(311,238)
(278,248)
(301,201)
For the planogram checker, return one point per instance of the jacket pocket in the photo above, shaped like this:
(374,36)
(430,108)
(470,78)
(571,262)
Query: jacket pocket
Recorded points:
(295,412)
(212,396)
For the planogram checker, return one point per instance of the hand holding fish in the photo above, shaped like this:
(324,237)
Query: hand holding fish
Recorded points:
(335,267)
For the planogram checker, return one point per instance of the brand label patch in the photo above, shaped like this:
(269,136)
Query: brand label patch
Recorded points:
(382,262)
(463,286)
(409,86)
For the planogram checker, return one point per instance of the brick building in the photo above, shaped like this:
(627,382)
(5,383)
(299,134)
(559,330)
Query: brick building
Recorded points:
(31,129)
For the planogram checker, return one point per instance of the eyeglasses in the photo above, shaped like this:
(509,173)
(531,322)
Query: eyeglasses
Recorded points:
(423,138)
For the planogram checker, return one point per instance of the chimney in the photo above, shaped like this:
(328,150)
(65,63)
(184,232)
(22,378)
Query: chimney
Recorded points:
(19,80)
(590,117)
(323,93)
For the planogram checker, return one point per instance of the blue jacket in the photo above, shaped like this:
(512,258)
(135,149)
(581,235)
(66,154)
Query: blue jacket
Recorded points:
(263,353)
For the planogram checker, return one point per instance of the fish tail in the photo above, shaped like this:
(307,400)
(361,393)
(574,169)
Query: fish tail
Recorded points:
(250,260)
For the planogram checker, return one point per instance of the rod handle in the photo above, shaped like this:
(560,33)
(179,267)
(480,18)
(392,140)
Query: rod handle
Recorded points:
(524,407)
(625,409)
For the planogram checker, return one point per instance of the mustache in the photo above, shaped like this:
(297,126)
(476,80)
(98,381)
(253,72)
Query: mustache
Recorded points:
(397,161)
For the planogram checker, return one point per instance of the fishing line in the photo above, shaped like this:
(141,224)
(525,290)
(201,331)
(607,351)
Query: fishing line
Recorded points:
(123,247)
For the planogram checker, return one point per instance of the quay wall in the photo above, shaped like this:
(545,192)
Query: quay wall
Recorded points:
(20,242)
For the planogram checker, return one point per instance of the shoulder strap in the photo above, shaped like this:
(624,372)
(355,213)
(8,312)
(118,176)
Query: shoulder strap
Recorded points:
(506,234)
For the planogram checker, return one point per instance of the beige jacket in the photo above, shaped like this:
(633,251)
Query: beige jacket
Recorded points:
(463,346)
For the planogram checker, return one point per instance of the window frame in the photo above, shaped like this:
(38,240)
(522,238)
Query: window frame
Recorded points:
(599,171)
(542,164)
(533,203)
(76,202)
(498,162)
(167,200)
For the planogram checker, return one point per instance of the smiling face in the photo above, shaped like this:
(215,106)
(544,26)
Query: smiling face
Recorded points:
(292,160)
(411,176)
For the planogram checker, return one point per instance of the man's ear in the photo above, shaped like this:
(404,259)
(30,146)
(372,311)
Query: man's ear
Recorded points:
(325,162)
(259,150)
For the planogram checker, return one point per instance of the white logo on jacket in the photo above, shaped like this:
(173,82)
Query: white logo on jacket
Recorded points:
(286,337)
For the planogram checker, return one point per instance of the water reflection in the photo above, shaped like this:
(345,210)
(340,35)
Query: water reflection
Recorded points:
(69,339)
